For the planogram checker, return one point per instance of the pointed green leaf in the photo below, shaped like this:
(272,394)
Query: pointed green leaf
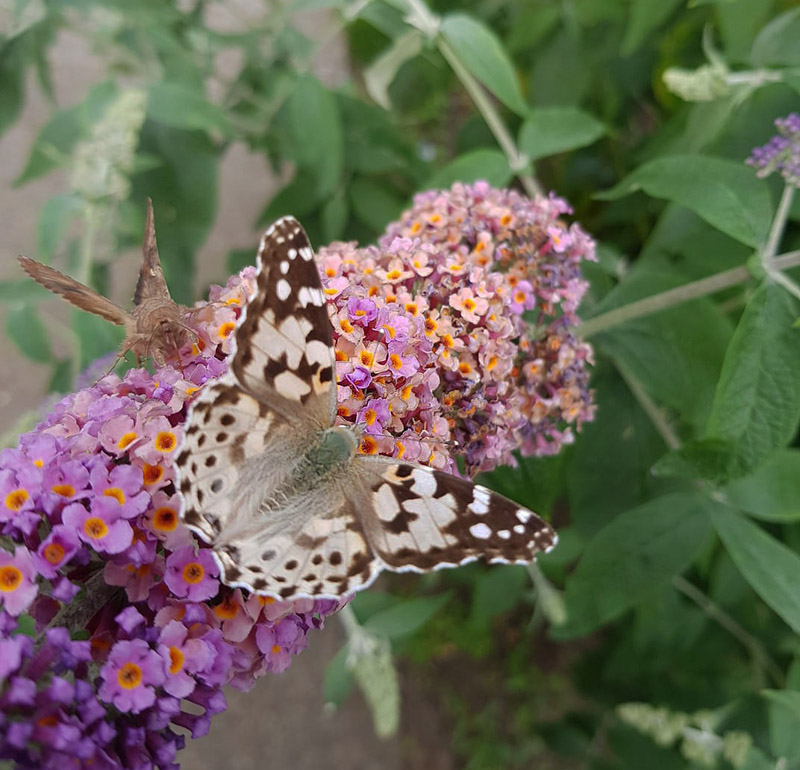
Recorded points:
(406,617)
(771,493)
(54,220)
(550,130)
(725,193)
(757,402)
(179,106)
(380,74)
(771,569)
(637,552)
(26,330)
(481,52)
(484,164)
(317,134)
(338,681)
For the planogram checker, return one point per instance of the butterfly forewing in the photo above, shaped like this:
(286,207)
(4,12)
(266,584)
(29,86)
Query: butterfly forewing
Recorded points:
(151,284)
(284,344)
(282,517)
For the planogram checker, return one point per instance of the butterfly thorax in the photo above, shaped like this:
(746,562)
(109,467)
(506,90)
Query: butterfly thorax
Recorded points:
(336,447)
(329,455)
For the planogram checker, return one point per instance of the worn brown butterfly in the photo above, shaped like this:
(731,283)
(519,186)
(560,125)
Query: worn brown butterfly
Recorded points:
(156,327)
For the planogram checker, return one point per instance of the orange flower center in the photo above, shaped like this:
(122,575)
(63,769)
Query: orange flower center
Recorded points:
(10,578)
(395,361)
(129,676)
(152,473)
(366,358)
(469,304)
(370,416)
(275,649)
(176,658)
(95,528)
(126,440)
(116,493)
(411,307)
(345,326)
(65,490)
(54,553)
(492,363)
(38,463)
(193,572)
(16,499)
(165,519)
(166,441)
(368,446)
(227,609)
(393,275)
(226,329)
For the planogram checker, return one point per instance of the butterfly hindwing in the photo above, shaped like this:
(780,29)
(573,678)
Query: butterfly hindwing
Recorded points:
(422,519)
(284,342)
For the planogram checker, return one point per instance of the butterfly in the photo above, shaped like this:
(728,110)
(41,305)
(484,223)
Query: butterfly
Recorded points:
(155,327)
(281,493)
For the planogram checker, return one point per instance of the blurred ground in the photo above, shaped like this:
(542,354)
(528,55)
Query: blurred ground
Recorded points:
(282,722)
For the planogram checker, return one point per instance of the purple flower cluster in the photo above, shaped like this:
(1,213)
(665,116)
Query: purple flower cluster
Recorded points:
(87,501)
(457,329)
(782,152)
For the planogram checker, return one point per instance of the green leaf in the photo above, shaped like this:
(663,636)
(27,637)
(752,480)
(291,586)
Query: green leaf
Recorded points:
(784,715)
(317,135)
(787,698)
(481,52)
(406,617)
(483,164)
(338,681)
(676,354)
(644,17)
(380,74)
(772,493)
(637,552)
(180,106)
(97,337)
(703,458)
(55,218)
(184,193)
(26,330)
(53,146)
(757,403)
(13,65)
(771,569)
(776,44)
(334,217)
(22,291)
(295,199)
(550,130)
(497,591)
(725,193)
(374,204)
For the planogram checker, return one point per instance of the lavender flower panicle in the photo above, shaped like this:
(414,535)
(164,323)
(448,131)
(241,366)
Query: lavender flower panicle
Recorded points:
(131,618)
(781,153)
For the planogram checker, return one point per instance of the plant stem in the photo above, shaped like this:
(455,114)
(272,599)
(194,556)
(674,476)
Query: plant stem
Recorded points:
(715,612)
(517,161)
(778,225)
(680,294)
(649,407)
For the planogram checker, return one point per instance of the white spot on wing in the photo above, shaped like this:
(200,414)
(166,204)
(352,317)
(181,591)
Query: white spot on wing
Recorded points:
(523,515)
(283,289)
(481,531)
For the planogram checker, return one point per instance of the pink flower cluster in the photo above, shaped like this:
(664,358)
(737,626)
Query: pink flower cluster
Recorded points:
(88,501)
(454,336)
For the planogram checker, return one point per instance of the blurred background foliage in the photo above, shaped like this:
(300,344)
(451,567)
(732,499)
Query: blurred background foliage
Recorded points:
(662,632)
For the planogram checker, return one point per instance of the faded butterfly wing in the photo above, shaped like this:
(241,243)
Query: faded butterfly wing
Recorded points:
(154,328)
(287,503)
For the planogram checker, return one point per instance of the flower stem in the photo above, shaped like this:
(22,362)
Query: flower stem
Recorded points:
(680,294)
(517,161)
(715,612)
(649,407)
(778,225)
